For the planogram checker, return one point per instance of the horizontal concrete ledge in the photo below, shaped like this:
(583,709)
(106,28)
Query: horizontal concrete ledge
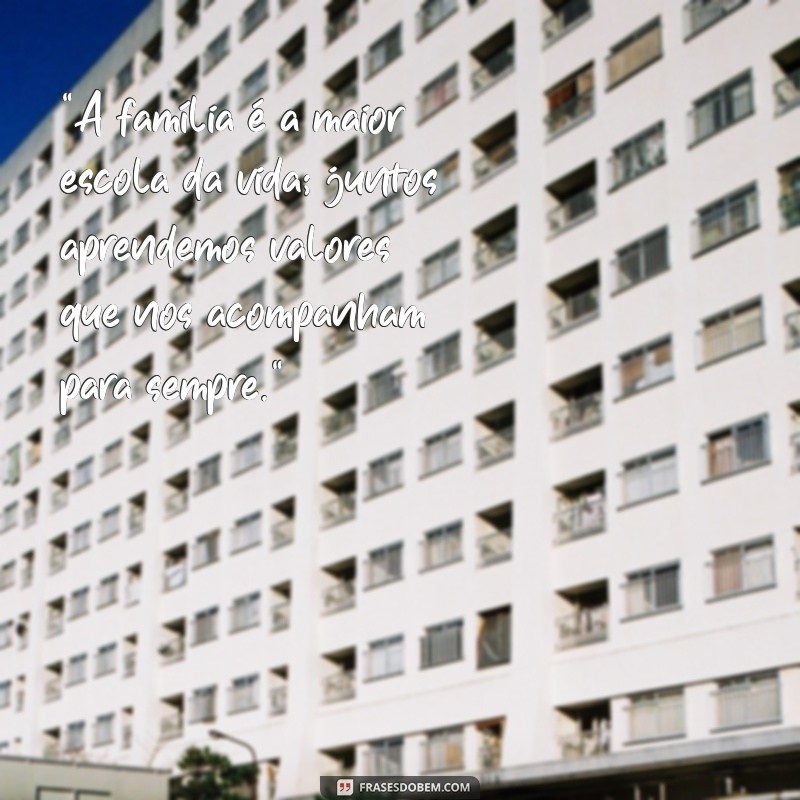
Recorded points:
(685,754)
(75,763)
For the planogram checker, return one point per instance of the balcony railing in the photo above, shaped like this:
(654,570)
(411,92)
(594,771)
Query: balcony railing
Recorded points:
(572,211)
(574,310)
(178,431)
(795,452)
(432,14)
(339,597)
(570,112)
(339,24)
(792,321)
(52,690)
(282,533)
(565,18)
(388,387)
(291,65)
(173,649)
(340,509)
(277,700)
(787,92)
(495,159)
(339,422)
(577,415)
(494,547)
(497,66)
(436,97)
(176,503)
(279,616)
(701,14)
(284,450)
(583,743)
(746,448)
(337,341)
(174,576)
(581,517)
(495,447)
(495,348)
(171,726)
(789,206)
(583,626)
(340,686)
(490,254)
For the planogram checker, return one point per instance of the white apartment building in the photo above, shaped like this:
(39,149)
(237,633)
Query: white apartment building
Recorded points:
(550,539)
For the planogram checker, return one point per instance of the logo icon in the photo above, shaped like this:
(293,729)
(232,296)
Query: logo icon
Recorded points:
(344,787)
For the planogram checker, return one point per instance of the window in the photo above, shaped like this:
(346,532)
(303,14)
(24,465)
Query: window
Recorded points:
(743,568)
(441,545)
(494,638)
(646,366)
(385,50)
(243,694)
(109,523)
(748,700)
(217,49)
(107,591)
(440,358)
(203,704)
(254,224)
(252,16)
(384,214)
(388,135)
(642,259)
(634,52)
(637,156)
(206,549)
(385,757)
(385,657)
(75,737)
(252,157)
(726,218)
(570,101)
(104,730)
(81,538)
(649,476)
(654,589)
(123,79)
(656,715)
(388,294)
(385,474)
(246,532)
(441,451)
(722,108)
(433,13)
(205,625)
(247,454)
(208,474)
(734,330)
(79,603)
(106,660)
(738,447)
(76,669)
(5,694)
(702,14)
(442,644)
(441,91)
(83,473)
(440,268)
(443,750)
(245,612)
(254,85)
(384,386)
(385,565)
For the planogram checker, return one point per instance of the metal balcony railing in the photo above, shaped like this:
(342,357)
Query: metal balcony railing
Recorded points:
(176,502)
(496,347)
(279,615)
(339,24)
(497,66)
(277,700)
(726,222)
(495,447)
(789,206)
(570,112)
(577,415)
(581,517)
(787,92)
(731,336)
(656,719)
(171,726)
(339,422)
(492,253)
(173,649)
(572,210)
(339,597)
(282,533)
(178,430)
(583,743)
(495,159)
(284,450)
(568,15)
(742,449)
(340,509)
(756,703)
(291,65)
(574,310)
(583,626)
(494,547)
(339,686)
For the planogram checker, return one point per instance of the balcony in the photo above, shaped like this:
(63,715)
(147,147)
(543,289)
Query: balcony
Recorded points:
(340,21)
(173,649)
(795,452)
(494,548)
(494,349)
(575,309)
(340,509)
(594,741)
(564,18)
(789,206)
(787,92)
(581,515)
(339,686)
(583,626)
(338,423)
(493,68)
(725,219)
(280,614)
(436,95)
(277,700)
(495,160)
(495,447)
(572,210)
(176,503)
(339,597)
(171,726)
(282,533)
(577,414)
(284,450)
(432,14)
(291,64)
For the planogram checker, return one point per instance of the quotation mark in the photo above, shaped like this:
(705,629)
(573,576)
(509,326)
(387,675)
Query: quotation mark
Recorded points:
(277,364)
(66,97)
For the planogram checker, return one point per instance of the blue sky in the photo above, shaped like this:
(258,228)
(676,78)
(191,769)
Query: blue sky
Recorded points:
(45,47)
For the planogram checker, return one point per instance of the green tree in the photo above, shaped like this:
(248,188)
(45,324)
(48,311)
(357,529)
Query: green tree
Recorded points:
(208,775)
